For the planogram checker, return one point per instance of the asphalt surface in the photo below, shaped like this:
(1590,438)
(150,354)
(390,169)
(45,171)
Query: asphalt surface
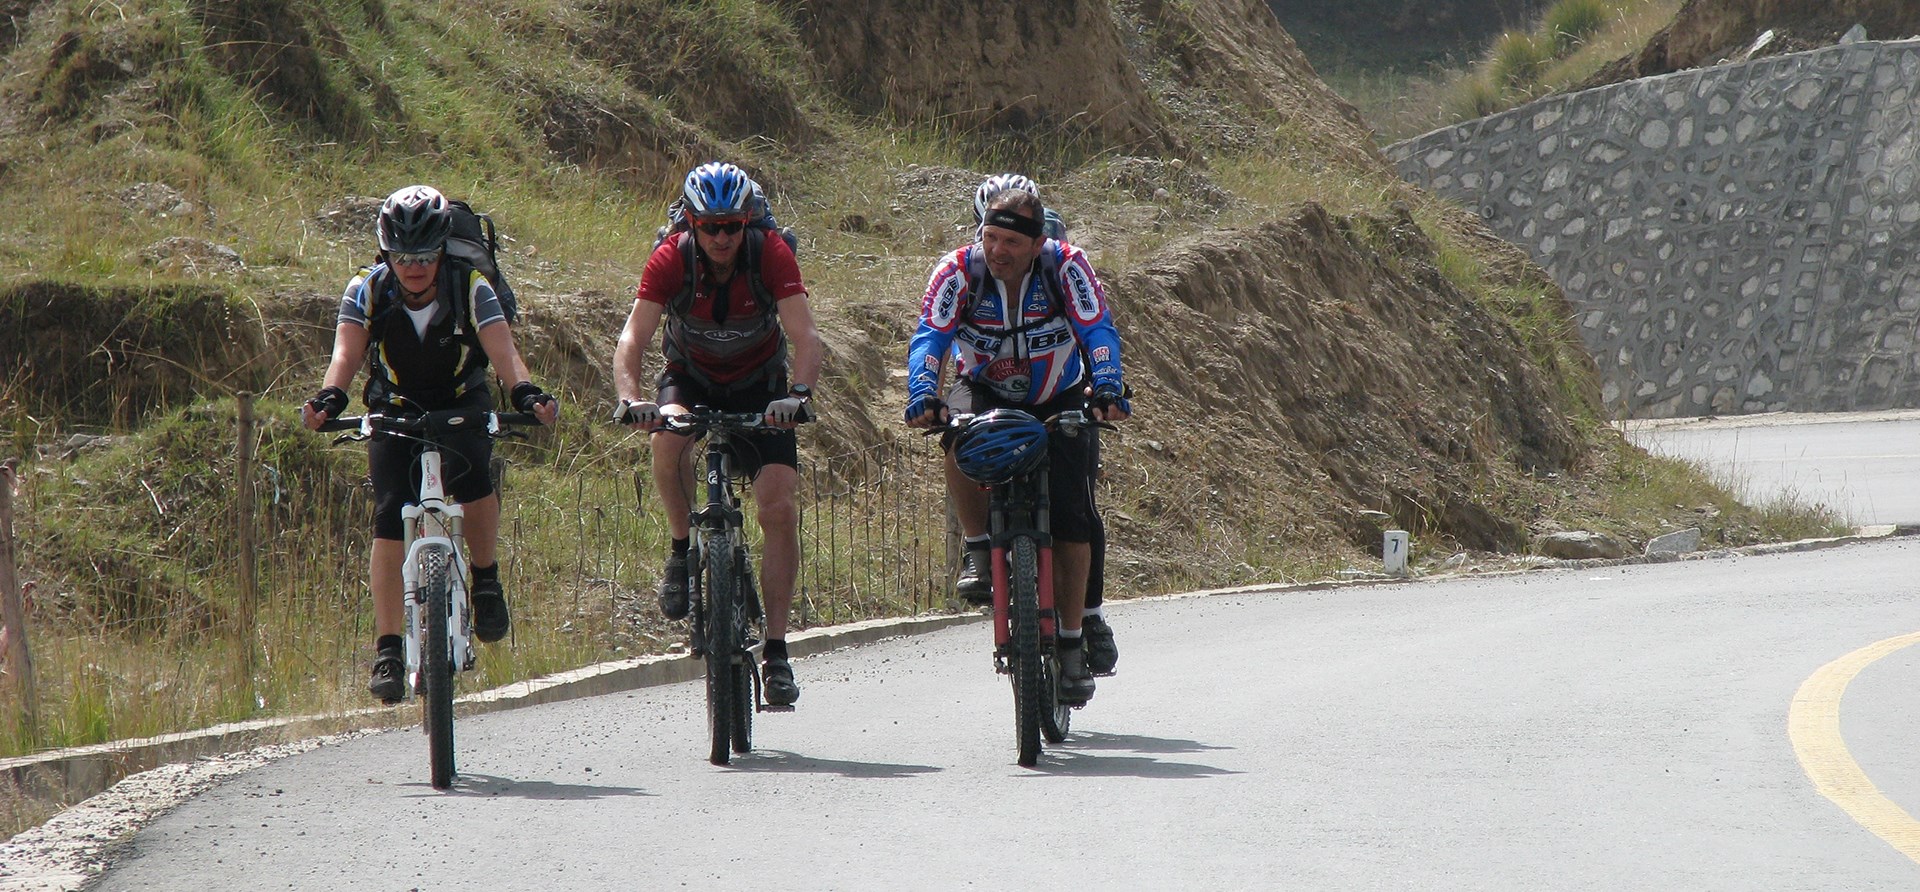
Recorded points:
(1611,728)
(1866,465)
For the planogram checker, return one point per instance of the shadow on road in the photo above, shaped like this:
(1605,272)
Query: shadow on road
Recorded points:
(489,785)
(780,761)
(1087,753)
(1095,740)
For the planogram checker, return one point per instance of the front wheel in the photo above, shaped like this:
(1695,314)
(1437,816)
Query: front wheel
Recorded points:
(436,589)
(1029,675)
(723,645)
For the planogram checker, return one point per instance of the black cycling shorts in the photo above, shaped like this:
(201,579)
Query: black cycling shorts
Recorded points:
(1069,459)
(772,446)
(393,464)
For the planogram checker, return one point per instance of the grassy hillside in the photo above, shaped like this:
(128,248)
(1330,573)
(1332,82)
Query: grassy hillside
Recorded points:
(188,185)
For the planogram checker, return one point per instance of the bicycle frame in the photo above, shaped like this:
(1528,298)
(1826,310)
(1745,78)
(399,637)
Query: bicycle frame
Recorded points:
(434,569)
(1020,507)
(726,602)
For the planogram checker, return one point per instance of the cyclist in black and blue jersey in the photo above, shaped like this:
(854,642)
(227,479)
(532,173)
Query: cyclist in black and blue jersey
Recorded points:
(428,326)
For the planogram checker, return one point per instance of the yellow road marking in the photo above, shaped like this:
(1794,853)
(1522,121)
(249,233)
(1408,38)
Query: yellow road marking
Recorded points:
(1813,724)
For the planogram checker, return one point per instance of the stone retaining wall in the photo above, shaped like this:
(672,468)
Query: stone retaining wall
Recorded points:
(1735,239)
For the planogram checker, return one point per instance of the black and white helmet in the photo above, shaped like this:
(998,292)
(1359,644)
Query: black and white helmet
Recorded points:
(415,220)
(994,185)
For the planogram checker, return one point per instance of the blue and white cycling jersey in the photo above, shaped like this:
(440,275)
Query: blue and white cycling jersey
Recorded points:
(1026,354)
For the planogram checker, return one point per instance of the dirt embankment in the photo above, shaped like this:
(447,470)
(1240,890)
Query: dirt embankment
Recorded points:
(990,68)
(1324,364)
(1706,32)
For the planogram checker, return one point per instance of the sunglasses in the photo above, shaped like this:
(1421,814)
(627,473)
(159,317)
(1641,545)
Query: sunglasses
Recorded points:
(413,259)
(716,228)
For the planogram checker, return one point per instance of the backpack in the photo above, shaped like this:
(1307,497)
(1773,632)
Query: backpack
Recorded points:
(471,242)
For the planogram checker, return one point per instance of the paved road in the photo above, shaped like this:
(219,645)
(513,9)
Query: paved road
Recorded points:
(1864,464)
(1614,728)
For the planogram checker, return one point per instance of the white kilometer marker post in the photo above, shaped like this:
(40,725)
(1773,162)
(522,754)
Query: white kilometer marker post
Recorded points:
(1393,552)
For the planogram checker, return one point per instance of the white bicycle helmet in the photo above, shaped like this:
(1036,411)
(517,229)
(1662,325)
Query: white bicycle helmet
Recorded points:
(996,184)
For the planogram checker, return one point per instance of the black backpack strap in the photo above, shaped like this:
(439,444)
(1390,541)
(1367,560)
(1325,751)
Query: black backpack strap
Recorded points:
(1049,273)
(754,244)
(682,303)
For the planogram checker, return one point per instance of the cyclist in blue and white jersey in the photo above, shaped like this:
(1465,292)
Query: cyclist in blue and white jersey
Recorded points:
(1051,348)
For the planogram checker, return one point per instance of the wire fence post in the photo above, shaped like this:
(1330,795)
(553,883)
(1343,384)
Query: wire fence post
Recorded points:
(246,630)
(13,612)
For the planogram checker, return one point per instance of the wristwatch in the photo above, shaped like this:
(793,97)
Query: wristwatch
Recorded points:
(801,392)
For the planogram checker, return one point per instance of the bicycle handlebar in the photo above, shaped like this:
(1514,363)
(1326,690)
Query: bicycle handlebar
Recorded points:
(486,421)
(701,419)
(1072,421)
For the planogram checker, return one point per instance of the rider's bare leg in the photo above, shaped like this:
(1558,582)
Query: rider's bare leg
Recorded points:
(969,501)
(480,526)
(383,577)
(773,491)
(673,477)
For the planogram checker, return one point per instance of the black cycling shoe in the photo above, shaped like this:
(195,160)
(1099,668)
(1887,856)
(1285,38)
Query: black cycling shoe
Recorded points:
(776,681)
(974,585)
(673,587)
(1076,680)
(388,684)
(490,618)
(1101,652)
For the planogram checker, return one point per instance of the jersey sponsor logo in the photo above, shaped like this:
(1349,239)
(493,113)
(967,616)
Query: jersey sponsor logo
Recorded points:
(1086,304)
(946,300)
(725,334)
(1102,354)
(1008,375)
(1047,340)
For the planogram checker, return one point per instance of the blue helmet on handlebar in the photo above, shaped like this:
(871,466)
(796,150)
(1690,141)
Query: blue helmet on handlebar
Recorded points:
(1000,445)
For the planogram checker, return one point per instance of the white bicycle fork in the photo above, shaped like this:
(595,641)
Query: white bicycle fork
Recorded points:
(434,522)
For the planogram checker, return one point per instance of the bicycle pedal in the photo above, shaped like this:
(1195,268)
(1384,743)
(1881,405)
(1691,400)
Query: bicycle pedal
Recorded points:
(768,707)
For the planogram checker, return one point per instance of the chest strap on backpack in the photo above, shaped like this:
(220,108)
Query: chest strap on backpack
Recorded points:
(1015,305)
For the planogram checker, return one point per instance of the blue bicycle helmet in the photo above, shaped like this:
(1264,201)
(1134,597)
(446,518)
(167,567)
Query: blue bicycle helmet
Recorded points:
(718,189)
(1000,445)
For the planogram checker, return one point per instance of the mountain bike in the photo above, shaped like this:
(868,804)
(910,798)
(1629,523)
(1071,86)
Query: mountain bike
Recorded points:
(439,616)
(724,596)
(1023,613)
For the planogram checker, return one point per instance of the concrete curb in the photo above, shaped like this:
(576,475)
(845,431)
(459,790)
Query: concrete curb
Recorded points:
(71,775)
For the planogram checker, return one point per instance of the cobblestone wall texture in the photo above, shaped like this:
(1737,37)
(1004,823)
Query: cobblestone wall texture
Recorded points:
(1736,239)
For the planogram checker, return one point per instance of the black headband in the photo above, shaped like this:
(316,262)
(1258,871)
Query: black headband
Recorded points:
(1026,226)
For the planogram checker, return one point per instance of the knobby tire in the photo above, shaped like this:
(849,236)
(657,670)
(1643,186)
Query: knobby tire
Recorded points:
(1056,717)
(723,643)
(436,588)
(742,671)
(1029,676)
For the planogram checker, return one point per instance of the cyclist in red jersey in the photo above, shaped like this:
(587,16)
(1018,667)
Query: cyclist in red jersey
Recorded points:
(731,299)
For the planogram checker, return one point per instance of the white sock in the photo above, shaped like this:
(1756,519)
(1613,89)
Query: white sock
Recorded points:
(978,541)
(1069,633)
(1100,611)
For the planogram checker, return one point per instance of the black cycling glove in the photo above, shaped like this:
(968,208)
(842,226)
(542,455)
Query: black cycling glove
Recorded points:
(527,395)
(1107,398)
(330,401)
